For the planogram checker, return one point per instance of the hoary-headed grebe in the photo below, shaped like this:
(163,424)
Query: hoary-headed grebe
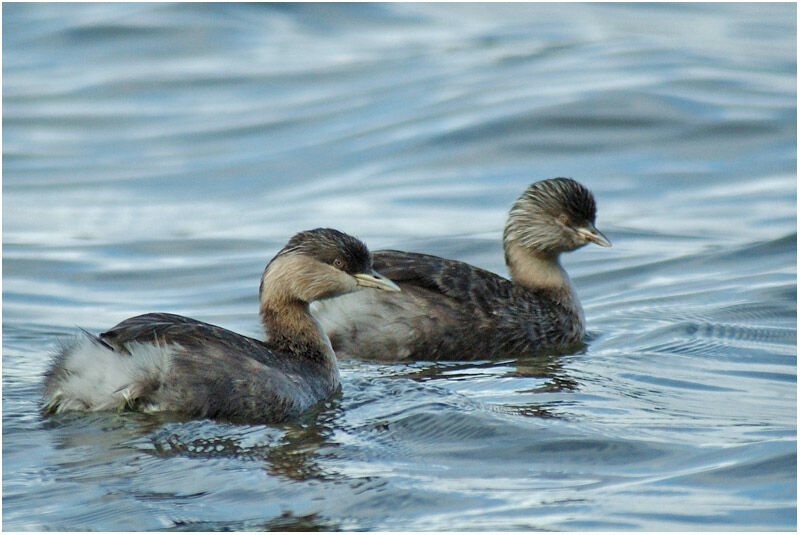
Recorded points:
(164,362)
(452,310)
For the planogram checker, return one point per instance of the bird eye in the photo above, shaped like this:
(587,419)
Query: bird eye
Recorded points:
(338,263)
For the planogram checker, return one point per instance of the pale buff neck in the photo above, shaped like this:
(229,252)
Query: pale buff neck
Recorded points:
(535,270)
(284,309)
(291,328)
(544,272)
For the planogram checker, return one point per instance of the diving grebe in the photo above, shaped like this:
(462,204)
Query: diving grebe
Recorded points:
(452,310)
(164,362)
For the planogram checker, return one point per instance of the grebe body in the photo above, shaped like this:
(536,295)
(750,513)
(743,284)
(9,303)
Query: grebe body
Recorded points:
(450,310)
(164,362)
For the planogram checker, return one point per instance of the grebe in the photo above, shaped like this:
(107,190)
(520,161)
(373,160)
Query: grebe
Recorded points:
(163,362)
(452,310)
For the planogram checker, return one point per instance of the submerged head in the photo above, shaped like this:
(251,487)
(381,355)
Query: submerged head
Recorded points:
(553,216)
(320,263)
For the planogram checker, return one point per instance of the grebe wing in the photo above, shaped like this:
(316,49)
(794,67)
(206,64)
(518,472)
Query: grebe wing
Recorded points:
(160,328)
(456,280)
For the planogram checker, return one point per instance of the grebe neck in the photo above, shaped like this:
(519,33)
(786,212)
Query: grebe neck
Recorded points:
(533,269)
(287,287)
(291,328)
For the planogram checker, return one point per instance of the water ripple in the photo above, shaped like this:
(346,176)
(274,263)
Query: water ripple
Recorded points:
(155,156)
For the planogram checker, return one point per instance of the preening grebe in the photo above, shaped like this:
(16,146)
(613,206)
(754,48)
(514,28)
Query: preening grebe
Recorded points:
(164,362)
(452,310)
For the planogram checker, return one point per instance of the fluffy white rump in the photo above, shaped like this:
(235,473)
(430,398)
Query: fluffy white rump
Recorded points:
(92,377)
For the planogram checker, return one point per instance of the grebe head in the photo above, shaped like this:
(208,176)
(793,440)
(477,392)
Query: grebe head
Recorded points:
(553,216)
(317,264)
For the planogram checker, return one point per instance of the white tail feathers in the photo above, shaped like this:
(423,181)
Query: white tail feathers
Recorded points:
(90,376)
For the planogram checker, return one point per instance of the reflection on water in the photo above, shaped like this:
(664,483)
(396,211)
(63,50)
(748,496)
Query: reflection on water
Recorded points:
(155,156)
(288,450)
(536,375)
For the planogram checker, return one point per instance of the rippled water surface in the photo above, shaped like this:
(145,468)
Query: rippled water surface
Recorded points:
(156,156)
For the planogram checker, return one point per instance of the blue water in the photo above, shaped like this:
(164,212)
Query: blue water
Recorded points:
(155,156)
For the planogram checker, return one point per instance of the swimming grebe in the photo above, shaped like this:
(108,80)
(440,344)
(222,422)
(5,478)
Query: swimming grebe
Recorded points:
(452,310)
(164,362)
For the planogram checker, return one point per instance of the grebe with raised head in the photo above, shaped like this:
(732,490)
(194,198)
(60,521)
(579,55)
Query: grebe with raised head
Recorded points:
(163,362)
(454,311)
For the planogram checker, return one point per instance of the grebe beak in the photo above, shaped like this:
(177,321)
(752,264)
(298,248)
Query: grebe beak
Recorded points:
(375,280)
(590,233)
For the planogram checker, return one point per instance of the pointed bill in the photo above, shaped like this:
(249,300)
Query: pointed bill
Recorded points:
(375,280)
(590,233)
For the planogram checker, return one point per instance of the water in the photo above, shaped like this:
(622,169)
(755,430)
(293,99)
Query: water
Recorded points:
(155,157)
